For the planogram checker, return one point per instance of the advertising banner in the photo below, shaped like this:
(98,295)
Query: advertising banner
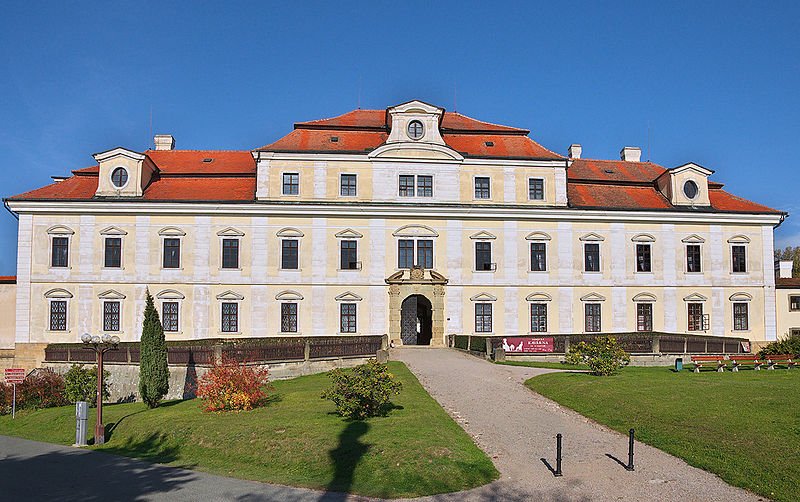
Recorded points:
(520,345)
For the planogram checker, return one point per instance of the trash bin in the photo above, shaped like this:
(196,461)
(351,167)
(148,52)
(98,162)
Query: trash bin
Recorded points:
(678,364)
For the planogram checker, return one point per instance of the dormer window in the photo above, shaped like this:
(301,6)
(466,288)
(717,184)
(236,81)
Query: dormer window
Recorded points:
(415,129)
(119,177)
(690,189)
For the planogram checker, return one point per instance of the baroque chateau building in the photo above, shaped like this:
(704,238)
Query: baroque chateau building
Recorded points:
(409,221)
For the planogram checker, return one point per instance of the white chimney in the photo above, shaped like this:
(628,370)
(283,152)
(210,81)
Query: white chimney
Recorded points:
(785,269)
(631,154)
(164,142)
(575,151)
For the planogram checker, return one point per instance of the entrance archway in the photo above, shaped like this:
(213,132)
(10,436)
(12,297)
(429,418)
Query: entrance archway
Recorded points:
(416,320)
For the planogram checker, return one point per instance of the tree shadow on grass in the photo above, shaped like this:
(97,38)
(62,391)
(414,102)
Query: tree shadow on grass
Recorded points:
(346,457)
(154,448)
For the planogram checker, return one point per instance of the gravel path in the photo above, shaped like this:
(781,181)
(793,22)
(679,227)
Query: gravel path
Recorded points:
(516,427)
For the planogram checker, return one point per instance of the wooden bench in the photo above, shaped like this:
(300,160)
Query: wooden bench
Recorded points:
(700,360)
(746,359)
(786,359)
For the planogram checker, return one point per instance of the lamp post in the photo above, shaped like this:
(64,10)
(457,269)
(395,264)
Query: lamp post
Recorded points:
(100,345)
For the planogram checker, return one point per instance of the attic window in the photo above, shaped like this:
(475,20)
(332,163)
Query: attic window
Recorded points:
(609,171)
(208,159)
(334,139)
(489,143)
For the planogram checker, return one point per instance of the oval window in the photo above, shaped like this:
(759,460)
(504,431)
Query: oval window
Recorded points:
(415,129)
(119,177)
(690,189)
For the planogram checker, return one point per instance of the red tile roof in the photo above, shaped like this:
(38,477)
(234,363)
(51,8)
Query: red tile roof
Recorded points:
(190,188)
(192,161)
(307,140)
(605,196)
(8,279)
(379,119)
(787,282)
(614,170)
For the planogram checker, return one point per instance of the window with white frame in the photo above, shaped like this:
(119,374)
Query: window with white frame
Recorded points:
(291,184)
(592,317)
(111,315)
(58,315)
(741,318)
(347,185)
(538,317)
(738,258)
(172,252)
(482,187)
(644,317)
(483,256)
(538,257)
(230,317)
(483,317)
(643,258)
(230,253)
(591,257)
(423,183)
(536,189)
(289,317)
(290,254)
(696,318)
(693,258)
(347,317)
(112,252)
(60,252)
(169,315)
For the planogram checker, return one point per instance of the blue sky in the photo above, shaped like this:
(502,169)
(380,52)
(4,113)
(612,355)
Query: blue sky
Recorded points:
(713,82)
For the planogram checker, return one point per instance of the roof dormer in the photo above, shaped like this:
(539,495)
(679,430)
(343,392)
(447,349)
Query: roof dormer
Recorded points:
(686,185)
(414,131)
(123,173)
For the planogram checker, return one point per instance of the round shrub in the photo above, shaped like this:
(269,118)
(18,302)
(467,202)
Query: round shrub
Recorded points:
(363,391)
(233,386)
(604,355)
(81,384)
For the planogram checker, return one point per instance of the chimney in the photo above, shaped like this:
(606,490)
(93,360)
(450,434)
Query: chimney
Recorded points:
(164,142)
(630,154)
(575,151)
(785,269)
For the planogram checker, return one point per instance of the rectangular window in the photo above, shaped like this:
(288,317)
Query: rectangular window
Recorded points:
(230,253)
(291,184)
(425,253)
(230,317)
(60,252)
(794,303)
(693,258)
(347,185)
(348,317)
(172,253)
(591,257)
(483,317)
(739,258)
(644,317)
(424,186)
(538,317)
(406,185)
(289,259)
(405,253)
(288,318)
(349,255)
(58,315)
(169,316)
(536,189)
(483,256)
(740,317)
(113,252)
(482,187)
(538,257)
(695,317)
(643,263)
(111,316)
(592,317)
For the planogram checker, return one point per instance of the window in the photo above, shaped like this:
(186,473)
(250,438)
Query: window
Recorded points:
(60,252)
(119,177)
(230,317)
(289,257)
(643,258)
(113,252)
(347,185)
(693,258)
(58,315)
(111,316)
(291,184)
(740,317)
(483,256)
(483,317)
(739,259)
(169,316)
(348,317)
(538,257)
(536,189)
(690,189)
(696,318)
(405,253)
(538,317)
(172,253)
(592,317)
(415,129)
(482,187)
(230,253)
(424,186)
(288,318)
(591,257)
(406,185)
(644,317)
(349,255)
(794,303)
(425,253)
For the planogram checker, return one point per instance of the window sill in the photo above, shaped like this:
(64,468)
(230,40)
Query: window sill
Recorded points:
(230,269)
(538,333)
(693,273)
(290,270)
(593,272)
(289,333)
(58,331)
(484,271)
(740,273)
(538,271)
(111,269)
(348,270)
(637,272)
(177,269)
(227,333)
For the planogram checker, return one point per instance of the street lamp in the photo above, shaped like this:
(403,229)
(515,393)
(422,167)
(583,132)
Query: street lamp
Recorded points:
(100,345)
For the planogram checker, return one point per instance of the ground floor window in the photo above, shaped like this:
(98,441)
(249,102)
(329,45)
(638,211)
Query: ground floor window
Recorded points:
(169,316)
(230,317)
(348,317)
(288,318)
(644,317)
(58,315)
(111,316)
(592,317)
(740,317)
(538,317)
(483,317)
(696,317)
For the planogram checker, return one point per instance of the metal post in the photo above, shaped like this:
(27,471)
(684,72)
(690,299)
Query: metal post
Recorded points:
(558,456)
(14,402)
(629,467)
(99,429)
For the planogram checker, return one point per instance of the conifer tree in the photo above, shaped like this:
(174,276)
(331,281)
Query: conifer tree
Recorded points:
(153,371)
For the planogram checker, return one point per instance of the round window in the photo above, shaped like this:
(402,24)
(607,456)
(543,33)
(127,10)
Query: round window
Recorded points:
(119,177)
(415,129)
(690,189)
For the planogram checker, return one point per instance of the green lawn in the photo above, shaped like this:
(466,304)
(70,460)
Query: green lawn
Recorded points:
(545,364)
(296,440)
(744,427)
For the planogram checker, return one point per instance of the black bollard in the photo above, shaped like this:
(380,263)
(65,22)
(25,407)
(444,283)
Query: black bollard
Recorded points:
(558,456)
(629,467)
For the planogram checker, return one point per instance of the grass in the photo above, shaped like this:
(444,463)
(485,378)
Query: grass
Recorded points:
(545,364)
(297,440)
(744,427)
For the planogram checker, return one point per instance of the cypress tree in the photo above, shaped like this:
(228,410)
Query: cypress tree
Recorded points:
(153,371)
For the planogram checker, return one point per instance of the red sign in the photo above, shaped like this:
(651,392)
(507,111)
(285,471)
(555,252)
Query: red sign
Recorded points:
(15,375)
(527,345)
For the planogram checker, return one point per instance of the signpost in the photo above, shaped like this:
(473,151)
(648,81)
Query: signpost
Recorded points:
(14,376)
(527,345)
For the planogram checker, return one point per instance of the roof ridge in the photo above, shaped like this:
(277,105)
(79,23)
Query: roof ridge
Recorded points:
(485,122)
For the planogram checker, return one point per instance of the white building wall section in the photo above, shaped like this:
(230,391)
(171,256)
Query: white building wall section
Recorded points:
(24,255)
(767,259)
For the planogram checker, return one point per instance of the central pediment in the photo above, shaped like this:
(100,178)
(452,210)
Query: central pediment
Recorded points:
(415,133)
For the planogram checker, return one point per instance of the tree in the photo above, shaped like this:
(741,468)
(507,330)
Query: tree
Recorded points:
(153,371)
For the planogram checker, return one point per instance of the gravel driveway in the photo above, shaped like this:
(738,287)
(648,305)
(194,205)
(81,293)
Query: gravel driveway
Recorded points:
(516,427)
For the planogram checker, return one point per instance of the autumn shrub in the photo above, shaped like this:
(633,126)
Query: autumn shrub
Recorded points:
(233,386)
(81,384)
(362,392)
(44,388)
(604,355)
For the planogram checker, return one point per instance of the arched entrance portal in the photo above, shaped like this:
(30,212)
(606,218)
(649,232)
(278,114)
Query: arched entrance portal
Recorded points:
(416,320)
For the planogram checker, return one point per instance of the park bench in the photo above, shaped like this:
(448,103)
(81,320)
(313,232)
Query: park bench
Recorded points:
(746,359)
(700,360)
(786,359)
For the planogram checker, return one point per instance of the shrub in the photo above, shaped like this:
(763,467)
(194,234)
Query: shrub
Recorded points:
(362,392)
(233,386)
(604,355)
(81,384)
(153,370)
(43,388)
(790,345)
